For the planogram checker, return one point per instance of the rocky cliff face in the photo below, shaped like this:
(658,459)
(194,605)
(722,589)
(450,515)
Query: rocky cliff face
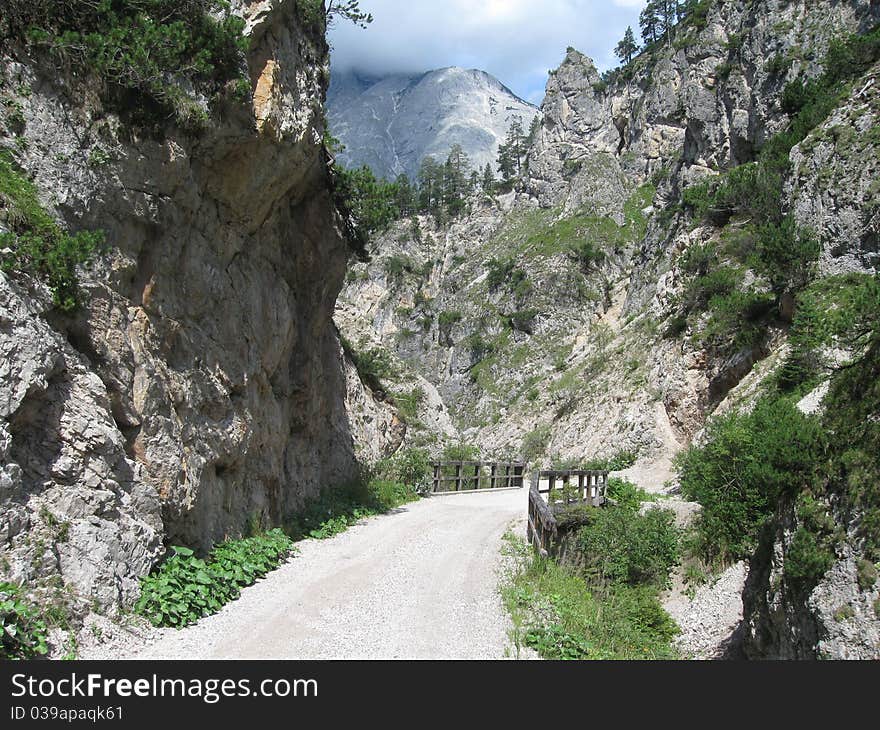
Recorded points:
(202,386)
(546,319)
(392,123)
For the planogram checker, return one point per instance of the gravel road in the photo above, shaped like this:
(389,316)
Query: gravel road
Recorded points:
(419,583)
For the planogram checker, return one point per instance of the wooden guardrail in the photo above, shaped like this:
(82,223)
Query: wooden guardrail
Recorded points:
(472,476)
(543,530)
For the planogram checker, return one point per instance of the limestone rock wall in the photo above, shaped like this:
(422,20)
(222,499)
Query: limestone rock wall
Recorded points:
(202,387)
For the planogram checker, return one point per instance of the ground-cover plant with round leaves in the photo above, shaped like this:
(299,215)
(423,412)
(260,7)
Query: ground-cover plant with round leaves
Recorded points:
(186,588)
(22,631)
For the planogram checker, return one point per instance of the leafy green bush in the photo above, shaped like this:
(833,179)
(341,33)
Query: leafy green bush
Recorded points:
(37,244)
(556,613)
(619,545)
(623,459)
(147,52)
(410,467)
(499,273)
(186,588)
(23,632)
(374,366)
(626,494)
(535,443)
(334,511)
(409,402)
(748,463)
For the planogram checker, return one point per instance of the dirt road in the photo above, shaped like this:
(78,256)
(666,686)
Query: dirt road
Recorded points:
(421,583)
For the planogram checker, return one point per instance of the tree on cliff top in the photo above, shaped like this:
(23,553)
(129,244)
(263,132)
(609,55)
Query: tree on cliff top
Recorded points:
(348,10)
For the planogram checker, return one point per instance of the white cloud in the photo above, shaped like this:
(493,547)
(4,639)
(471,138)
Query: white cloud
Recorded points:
(516,40)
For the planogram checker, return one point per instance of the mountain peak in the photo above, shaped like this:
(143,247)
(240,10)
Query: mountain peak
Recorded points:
(392,122)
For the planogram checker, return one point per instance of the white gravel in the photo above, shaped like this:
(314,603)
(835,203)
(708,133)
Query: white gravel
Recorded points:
(420,583)
(709,620)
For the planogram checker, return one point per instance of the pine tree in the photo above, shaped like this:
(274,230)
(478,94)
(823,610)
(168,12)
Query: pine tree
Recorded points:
(512,152)
(627,47)
(430,185)
(649,22)
(488,179)
(348,10)
(405,195)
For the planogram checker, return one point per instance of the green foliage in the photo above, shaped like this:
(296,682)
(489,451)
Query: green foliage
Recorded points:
(524,320)
(827,314)
(459,452)
(409,402)
(534,443)
(806,559)
(37,244)
(866,574)
(371,204)
(747,465)
(620,545)
(852,405)
(147,52)
(449,318)
(186,588)
(626,494)
(500,273)
(397,266)
(335,510)
(623,459)
(374,366)
(410,467)
(23,633)
(561,616)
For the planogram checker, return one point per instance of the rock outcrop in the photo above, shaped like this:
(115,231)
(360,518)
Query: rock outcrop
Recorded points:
(201,388)
(393,122)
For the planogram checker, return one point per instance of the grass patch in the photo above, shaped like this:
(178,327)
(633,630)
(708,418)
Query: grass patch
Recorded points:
(559,615)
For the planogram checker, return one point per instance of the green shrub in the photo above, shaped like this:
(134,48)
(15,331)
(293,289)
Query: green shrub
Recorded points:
(627,495)
(623,459)
(449,318)
(866,574)
(23,633)
(147,52)
(37,244)
(524,320)
(186,588)
(397,266)
(499,273)
(556,613)
(748,463)
(587,255)
(410,467)
(409,402)
(374,366)
(807,559)
(335,510)
(534,443)
(619,545)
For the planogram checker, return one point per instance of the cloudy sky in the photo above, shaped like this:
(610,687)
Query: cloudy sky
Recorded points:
(516,40)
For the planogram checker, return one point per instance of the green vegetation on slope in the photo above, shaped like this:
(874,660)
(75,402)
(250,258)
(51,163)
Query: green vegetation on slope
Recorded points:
(37,245)
(147,53)
(824,469)
(185,587)
(603,603)
(23,632)
(759,236)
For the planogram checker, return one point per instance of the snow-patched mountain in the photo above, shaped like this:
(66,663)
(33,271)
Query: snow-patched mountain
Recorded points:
(393,122)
